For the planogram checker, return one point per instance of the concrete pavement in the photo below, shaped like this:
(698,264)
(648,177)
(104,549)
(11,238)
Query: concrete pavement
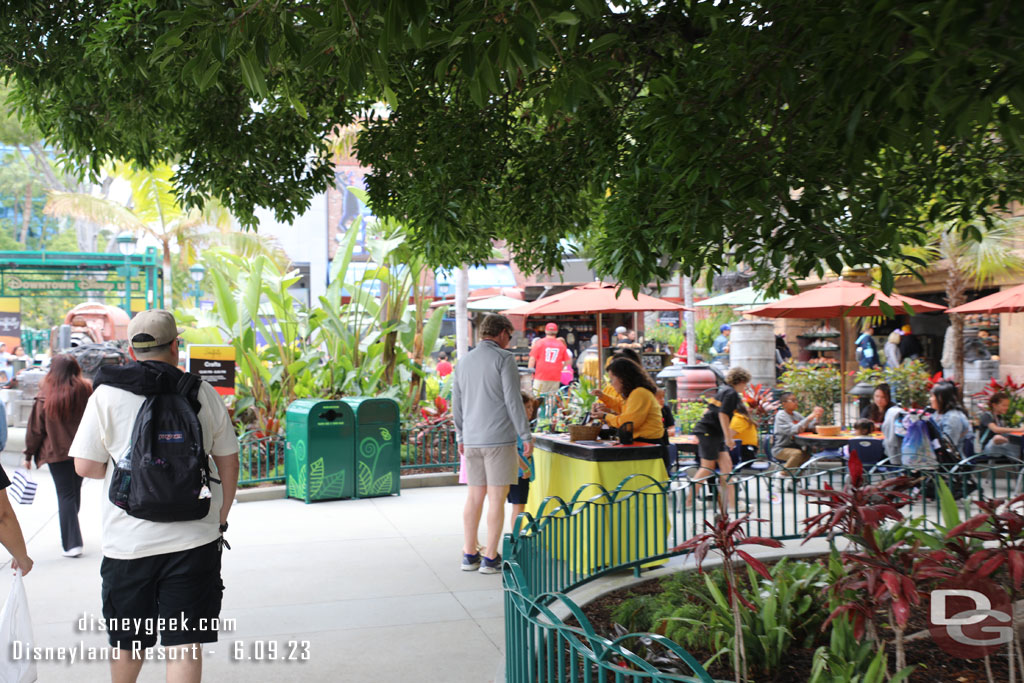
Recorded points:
(371,589)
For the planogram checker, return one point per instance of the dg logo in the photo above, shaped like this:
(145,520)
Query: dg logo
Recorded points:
(970,618)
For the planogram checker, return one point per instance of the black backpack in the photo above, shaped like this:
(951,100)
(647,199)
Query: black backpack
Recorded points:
(165,475)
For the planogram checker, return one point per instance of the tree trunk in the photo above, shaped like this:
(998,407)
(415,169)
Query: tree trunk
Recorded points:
(691,323)
(26,214)
(168,292)
(461,314)
(956,294)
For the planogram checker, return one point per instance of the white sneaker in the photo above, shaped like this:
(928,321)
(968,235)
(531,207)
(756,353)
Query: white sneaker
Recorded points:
(74,552)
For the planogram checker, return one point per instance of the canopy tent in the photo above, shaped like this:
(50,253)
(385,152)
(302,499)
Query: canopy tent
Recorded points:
(748,296)
(1006,301)
(494,303)
(842,299)
(593,298)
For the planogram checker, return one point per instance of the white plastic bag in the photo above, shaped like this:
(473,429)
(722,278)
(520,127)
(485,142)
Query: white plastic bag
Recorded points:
(16,636)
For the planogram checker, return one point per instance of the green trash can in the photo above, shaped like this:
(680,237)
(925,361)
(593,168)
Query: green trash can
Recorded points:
(378,452)
(320,453)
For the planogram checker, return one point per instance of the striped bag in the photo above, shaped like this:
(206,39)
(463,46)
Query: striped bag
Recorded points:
(23,488)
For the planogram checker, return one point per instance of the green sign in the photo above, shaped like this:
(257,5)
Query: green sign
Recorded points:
(13,285)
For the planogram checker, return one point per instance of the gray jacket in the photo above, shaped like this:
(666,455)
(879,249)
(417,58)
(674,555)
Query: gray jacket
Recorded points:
(486,401)
(786,427)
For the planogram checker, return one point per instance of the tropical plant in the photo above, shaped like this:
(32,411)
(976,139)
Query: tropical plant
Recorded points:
(761,406)
(687,414)
(672,337)
(1015,414)
(726,535)
(987,253)
(708,328)
(812,386)
(909,382)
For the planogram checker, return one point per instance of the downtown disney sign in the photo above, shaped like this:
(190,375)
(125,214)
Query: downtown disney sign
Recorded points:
(16,285)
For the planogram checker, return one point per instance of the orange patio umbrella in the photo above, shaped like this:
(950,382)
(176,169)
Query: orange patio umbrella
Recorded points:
(1006,301)
(593,298)
(842,299)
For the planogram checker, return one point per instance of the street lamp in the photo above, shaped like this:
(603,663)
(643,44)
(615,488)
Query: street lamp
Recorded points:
(197,273)
(126,242)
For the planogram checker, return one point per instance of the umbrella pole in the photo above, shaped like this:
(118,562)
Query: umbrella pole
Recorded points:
(600,349)
(842,373)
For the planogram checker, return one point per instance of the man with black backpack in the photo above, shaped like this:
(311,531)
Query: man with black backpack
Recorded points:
(150,430)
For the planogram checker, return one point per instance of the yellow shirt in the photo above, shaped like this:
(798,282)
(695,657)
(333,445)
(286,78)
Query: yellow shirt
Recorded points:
(641,408)
(746,430)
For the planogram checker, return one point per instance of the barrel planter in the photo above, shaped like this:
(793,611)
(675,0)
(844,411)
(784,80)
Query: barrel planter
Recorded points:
(752,346)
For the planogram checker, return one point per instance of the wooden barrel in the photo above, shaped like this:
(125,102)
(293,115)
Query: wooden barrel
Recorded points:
(752,346)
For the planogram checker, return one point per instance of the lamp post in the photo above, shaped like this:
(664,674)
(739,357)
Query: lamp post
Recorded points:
(126,242)
(197,273)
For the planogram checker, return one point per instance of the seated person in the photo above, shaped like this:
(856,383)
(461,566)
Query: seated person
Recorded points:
(789,423)
(666,413)
(994,429)
(862,427)
(881,401)
(745,431)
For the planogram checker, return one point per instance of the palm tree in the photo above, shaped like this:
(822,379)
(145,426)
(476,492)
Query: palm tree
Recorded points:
(970,262)
(153,210)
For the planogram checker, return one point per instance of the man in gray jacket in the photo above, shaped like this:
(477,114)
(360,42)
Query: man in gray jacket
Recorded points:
(488,410)
(789,423)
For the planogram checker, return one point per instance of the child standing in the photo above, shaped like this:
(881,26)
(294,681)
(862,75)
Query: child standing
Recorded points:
(519,492)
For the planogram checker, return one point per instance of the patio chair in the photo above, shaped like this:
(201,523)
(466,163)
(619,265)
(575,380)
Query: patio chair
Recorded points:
(1001,472)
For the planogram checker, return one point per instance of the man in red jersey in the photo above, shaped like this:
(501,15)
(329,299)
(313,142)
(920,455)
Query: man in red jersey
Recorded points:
(547,358)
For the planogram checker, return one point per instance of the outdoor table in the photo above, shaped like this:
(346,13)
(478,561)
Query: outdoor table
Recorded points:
(686,443)
(561,468)
(1016,436)
(815,442)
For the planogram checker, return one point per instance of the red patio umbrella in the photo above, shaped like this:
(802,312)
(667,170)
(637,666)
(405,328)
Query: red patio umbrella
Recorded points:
(1006,301)
(596,298)
(841,299)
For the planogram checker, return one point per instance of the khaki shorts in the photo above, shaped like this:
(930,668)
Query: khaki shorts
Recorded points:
(545,386)
(492,465)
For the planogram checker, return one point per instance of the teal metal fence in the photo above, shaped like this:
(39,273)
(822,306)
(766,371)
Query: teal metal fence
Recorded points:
(430,447)
(260,458)
(637,525)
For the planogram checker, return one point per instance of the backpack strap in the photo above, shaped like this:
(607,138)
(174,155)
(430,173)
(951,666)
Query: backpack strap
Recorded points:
(188,386)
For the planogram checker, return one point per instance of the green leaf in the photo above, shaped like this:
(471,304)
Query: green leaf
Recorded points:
(567,18)
(252,74)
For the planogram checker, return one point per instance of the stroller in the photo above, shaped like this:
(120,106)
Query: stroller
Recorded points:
(931,454)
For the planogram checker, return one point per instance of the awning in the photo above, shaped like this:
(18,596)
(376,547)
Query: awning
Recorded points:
(480,277)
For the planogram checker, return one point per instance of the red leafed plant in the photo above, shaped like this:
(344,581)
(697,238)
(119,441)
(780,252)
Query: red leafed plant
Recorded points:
(760,405)
(885,572)
(1015,414)
(726,535)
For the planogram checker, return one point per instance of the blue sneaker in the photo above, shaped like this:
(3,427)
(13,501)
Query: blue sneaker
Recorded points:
(470,562)
(489,566)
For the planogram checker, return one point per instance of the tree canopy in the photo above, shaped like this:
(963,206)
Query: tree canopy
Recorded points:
(782,134)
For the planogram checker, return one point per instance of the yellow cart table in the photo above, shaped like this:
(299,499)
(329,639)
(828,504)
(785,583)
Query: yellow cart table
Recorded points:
(608,537)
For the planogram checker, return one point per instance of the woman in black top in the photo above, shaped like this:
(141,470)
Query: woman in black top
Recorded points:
(881,401)
(715,436)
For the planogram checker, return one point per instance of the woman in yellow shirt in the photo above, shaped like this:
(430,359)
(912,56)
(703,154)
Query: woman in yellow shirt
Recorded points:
(745,431)
(638,405)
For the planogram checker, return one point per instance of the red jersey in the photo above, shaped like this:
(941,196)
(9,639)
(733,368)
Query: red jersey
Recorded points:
(550,355)
(444,368)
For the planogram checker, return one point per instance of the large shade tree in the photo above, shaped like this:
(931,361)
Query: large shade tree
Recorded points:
(786,134)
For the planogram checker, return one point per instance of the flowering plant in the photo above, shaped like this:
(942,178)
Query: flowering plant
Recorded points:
(1015,415)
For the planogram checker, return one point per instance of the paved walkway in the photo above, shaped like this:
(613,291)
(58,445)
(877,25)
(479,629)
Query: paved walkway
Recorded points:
(373,585)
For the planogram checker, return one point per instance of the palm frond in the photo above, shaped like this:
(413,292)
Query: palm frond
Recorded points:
(104,212)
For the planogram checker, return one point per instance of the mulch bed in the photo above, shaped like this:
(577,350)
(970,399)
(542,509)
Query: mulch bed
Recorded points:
(934,665)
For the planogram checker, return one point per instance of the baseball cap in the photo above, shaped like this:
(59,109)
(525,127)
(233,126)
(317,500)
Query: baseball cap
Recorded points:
(725,327)
(905,329)
(620,330)
(152,328)
(551,327)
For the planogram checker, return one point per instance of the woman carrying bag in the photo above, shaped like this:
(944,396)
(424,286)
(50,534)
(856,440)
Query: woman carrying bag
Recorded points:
(55,417)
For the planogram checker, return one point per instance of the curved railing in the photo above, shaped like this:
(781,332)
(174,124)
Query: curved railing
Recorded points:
(637,525)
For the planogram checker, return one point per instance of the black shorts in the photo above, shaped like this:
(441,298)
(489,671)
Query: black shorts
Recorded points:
(519,492)
(179,591)
(710,445)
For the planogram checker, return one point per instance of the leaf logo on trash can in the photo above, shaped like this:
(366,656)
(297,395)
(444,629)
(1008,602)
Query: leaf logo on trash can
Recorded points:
(369,453)
(297,486)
